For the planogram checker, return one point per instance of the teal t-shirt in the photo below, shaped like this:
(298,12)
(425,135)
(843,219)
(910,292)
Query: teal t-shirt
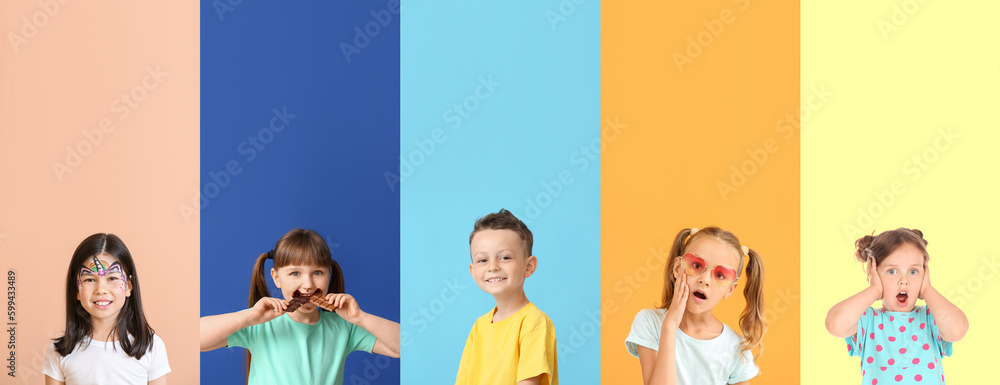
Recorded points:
(287,352)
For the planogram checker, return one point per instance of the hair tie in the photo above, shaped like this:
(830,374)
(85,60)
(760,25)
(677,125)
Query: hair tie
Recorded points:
(694,230)
(746,250)
(270,254)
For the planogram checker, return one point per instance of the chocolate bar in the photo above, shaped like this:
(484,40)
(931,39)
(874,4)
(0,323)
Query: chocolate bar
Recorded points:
(299,299)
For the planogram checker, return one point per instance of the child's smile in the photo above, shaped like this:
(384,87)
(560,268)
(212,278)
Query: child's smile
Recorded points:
(499,264)
(102,287)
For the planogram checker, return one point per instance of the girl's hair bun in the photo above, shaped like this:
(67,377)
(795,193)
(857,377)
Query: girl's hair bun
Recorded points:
(863,244)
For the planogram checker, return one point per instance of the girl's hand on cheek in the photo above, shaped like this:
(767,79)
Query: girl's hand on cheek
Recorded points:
(926,284)
(679,301)
(873,278)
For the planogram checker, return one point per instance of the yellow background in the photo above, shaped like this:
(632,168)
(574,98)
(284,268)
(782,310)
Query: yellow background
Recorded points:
(892,92)
(685,130)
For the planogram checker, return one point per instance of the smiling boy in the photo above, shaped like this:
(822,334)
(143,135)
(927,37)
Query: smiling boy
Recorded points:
(514,343)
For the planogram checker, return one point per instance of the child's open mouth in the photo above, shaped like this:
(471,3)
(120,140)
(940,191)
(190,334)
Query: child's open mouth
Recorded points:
(102,304)
(496,280)
(901,298)
(699,296)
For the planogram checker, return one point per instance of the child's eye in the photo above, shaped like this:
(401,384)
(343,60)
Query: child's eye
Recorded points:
(913,271)
(891,271)
(294,274)
(696,265)
(112,278)
(317,272)
(505,257)
(481,260)
(88,280)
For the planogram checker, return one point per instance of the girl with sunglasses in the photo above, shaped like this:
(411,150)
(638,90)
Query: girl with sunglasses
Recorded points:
(682,342)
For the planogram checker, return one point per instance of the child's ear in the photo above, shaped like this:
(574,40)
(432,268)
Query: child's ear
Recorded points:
(274,277)
(532,265)
(732,288)
(128,288)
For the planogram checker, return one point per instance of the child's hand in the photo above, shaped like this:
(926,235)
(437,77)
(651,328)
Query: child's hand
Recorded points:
(679,302)
(266,309)
(873,279)
(926,285)
(345,306)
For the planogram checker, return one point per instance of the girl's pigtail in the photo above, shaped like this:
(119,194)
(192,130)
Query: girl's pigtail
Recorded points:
(258,286)
(752,319)
(668,271)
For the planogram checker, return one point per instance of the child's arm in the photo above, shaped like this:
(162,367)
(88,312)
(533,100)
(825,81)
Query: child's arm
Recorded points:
(159,381)
(951,321)
(842,319)
(660,367)
(386,332)
(52,381)
(531,381)
(217,328)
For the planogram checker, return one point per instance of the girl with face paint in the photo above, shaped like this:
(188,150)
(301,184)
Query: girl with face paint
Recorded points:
(107,338)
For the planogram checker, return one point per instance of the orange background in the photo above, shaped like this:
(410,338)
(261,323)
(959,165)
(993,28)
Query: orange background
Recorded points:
(62,82)
(686,129)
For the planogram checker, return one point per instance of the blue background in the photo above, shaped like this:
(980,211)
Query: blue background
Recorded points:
(500,154)
(324,171)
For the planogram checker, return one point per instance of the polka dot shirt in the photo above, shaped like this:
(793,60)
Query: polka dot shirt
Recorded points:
(899,347)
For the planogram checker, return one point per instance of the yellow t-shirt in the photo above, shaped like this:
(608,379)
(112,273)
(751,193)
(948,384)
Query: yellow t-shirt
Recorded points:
(516,348)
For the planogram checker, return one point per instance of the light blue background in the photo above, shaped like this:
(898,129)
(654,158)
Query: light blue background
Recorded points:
(500,155)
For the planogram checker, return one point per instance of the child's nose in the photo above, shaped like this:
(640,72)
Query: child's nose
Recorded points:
(493,264)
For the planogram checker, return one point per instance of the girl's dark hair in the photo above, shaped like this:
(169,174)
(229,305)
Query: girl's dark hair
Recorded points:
(131,320)
(752,318)
(296,247)
(880,246)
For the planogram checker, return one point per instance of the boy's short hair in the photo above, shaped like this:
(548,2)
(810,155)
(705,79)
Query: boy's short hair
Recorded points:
(504,220)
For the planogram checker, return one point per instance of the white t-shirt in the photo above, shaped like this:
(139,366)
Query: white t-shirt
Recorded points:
(714,361)
(105,363)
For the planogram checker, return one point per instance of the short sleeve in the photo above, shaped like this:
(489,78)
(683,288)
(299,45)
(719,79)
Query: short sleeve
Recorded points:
(243,338)
(645,332)
(361,339)
(53,364)
(158,364)
(942,347)
(537,352)
(744,368)
(856,343)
